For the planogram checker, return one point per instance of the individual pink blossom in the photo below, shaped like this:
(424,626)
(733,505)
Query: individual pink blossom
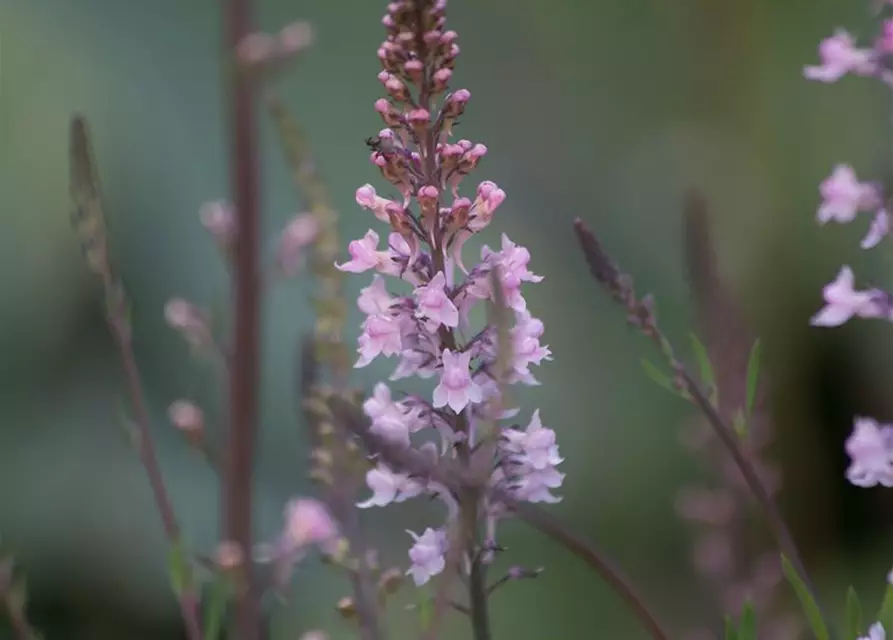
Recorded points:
(382,335)
(375,298)
(880,227)
(839,56)
(364,255)
(531,457)
(526,347)
(843,196)
(388,486)
(435,305)
(535,446)
(393,421)
(427,555)
(870,448)
(842,302)
(456,388)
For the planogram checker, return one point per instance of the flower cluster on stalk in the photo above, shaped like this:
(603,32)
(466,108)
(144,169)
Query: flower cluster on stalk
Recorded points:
(844,197)
(429,333)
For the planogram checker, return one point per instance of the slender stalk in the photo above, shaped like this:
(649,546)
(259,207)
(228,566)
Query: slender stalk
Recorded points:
(595,559)
(477,589)
(641,314)
(244,377)
(88,219)
(146,448)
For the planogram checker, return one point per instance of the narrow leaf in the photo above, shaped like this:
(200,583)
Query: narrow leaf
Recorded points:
(753,375)
(703,358)
(885,616)
(810,606)
(731,629)
(658,376)
(853,615)
(747,629)
(216,608)
(740,424)
(178,568)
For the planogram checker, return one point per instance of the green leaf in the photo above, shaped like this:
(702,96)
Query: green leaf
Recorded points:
(853,615)
(178,569)
(658,376)
(885,616)
(740,424)
(747,628)
(216,607)
(731,629)
(810,606)
(753,375)
(707,375)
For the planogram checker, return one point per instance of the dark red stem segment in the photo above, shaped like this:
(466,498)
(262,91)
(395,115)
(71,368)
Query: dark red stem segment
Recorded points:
(245,370)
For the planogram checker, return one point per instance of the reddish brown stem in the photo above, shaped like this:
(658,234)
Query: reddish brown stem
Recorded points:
(121,332)
(244,375)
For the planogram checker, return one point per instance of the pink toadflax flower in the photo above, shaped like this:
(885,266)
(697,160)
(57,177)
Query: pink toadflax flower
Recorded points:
(843,196)
(456,388)
(842,302)
(427,555)
(870,448)
(839,56)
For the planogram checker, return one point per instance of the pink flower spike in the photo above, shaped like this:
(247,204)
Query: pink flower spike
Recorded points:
(880,227)
(435,304)
(839,56)
(842,302)
(456,389)
(843,196)
(364,255)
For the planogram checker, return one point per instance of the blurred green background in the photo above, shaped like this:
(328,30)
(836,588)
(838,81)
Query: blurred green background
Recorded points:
(604,109)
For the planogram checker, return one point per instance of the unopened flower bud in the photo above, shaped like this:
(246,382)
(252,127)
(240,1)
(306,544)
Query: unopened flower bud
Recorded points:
(418,119)
(186,318)
(442,79)
(414,69)
(455,104)
(388,113)
(229,555)
(219,219)
(391,580)
(346,607)
(187,417)
(257,48)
